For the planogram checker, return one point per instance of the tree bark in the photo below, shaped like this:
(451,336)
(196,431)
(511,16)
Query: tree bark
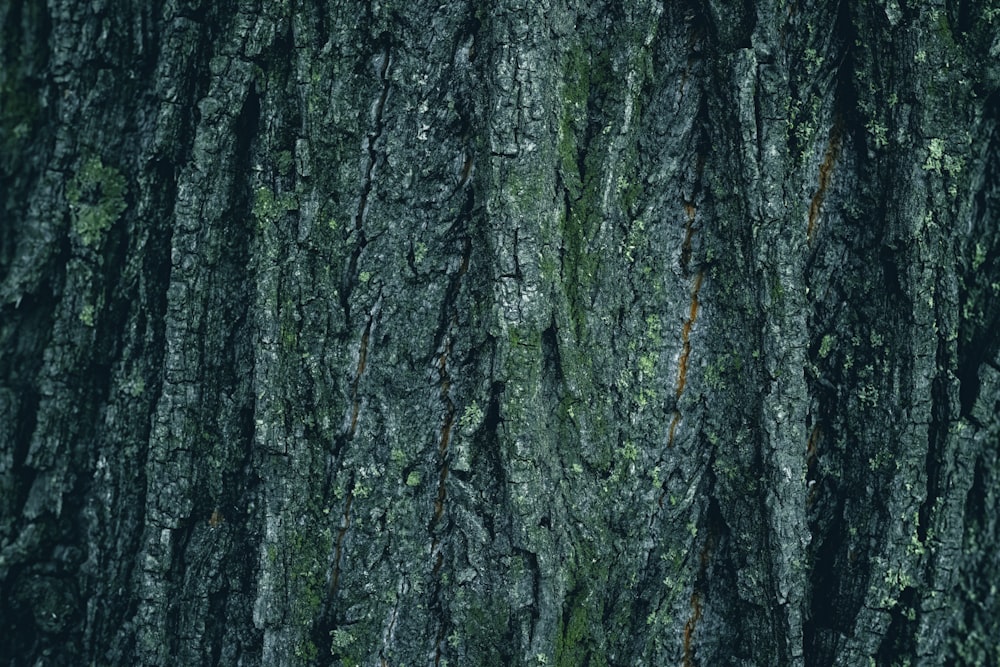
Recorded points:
(499,333)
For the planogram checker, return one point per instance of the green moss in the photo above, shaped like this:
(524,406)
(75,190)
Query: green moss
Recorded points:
(724,370)
(270,208)
(571,646)
(947,38)
(585,75)
(486,630)
(579,641)
(524,337)
(96,196)
(310,549)
(580,266)
(307,651)
(528,189)
(285,162)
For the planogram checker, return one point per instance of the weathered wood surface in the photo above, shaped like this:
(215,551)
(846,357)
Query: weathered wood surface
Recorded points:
(496,333)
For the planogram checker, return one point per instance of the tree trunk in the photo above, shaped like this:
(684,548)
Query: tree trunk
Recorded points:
(510,333)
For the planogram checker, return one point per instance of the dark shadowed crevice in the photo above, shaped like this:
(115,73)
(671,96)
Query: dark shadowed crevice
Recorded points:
(978,342)
(551,362)
(845,93)
(959,16)
(487,459)
(216,609)
(900,638)
(155,268)
(26,109)
(937,439)
(246,537)
(829,616)
(145,356)
(22,333)
(450,368)
(729,25)
(228,408)
(713,594)
(24,426)
(860,347)
(32,267)
(972,640)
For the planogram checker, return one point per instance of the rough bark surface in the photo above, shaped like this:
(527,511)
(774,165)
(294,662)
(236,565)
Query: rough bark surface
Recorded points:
(499,333)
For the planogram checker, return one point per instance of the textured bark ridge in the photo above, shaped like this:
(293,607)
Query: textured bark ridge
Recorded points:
(499,333)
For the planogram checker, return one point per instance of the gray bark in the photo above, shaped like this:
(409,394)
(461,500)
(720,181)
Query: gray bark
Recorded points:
(489,333)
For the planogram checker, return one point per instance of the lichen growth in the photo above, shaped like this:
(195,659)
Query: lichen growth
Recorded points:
(935,154)
(471,418)
(419,252)
(87,315)
(96,196)
(825,346)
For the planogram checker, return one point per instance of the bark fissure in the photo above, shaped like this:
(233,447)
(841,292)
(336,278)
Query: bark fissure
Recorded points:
(825,176)
(345,525)
(372,155)
(352,426)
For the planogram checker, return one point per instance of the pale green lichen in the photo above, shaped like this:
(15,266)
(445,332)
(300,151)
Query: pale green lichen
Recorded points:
(825,346)
(935,153)
(471,418)
(979,257)
(419,252)
(879,133)
(341,639)
(96,196)
(87,315)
